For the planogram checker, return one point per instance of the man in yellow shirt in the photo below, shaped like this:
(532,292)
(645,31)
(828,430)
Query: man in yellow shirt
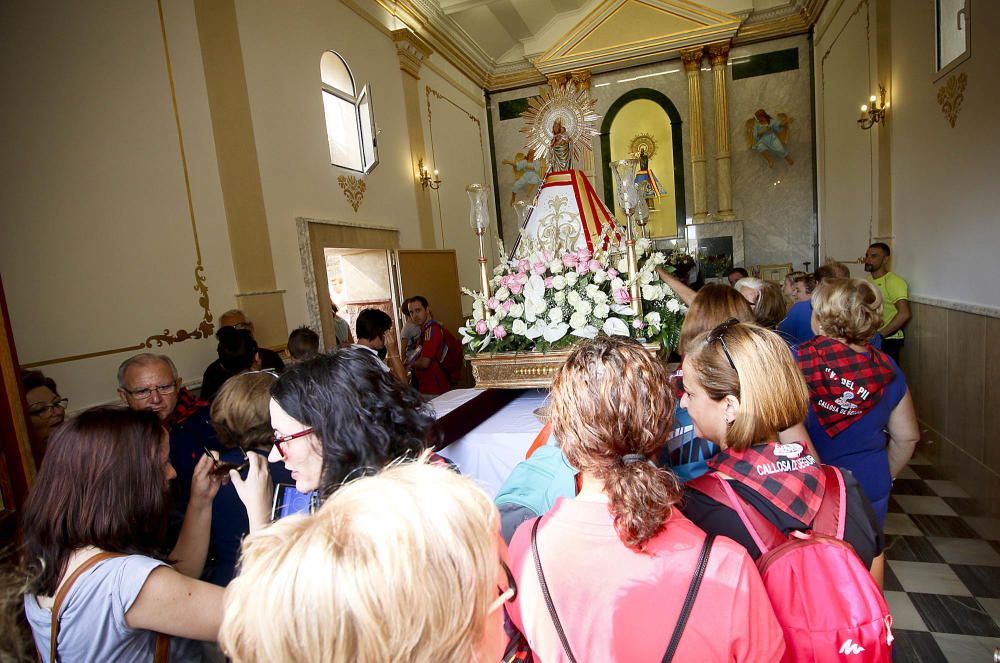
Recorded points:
(895,294)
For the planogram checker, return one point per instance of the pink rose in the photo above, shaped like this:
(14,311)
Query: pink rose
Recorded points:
(595,265)
(508,304)
(481,327)
(522,278)
(499,332)
(570,259)
(523,265)
(492,303)
(584,255)
(612,272)
(515,287)
(548,256)
(538,268)
(583,267)
(621,296)
(548,282)
(638,323)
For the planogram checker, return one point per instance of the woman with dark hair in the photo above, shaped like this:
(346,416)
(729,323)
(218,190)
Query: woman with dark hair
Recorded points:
(95,526)
(335,417)
(46,409)
(618,560)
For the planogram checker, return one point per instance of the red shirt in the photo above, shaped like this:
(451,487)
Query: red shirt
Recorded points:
(617,604)
(432,380)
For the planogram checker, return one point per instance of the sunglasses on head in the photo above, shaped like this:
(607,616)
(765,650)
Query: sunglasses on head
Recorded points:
(718,335)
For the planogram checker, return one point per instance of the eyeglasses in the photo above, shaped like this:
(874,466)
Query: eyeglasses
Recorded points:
(718,335)
(508,594)
(46,409)
(280,439)
(143,394)
(222,467)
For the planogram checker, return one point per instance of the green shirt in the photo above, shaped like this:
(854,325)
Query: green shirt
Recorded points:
(893,289)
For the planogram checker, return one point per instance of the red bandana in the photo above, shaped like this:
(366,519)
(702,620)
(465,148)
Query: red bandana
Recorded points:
(187,404)
(843,384)
(786,475)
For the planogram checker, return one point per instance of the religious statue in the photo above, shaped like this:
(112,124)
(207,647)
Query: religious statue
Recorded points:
(767,136)
(526,174)
(560,147)
(645,180)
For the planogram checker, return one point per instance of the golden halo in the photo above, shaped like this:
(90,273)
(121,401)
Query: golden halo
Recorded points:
(572,107)
(638,142)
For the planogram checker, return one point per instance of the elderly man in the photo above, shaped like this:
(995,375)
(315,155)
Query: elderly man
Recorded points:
(216,373)
(150,382)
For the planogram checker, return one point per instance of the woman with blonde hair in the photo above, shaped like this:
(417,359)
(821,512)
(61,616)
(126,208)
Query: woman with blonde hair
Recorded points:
(607,576)
(404,565)
(741,388)
(861,415)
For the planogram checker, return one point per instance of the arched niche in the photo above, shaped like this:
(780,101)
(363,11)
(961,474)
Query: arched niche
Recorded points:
(672,179)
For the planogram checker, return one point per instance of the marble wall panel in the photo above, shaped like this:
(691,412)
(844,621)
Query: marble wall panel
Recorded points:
(991,396)
(966,379)
(933,399)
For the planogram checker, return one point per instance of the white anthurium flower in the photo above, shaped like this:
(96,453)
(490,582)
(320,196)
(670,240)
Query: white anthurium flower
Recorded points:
(555,315)
(519,328)
(555,332)
(571,278)
(617,283)
(615,327)
(535,330)
(559,282)
(466,336)
(673,305)
(501,294)
(534,298)
(573,298)
(586,332)
(622,309)
(602,311)
(653,319)
(559,297)
(584,307)
(556,266)
(652,292)
(578,320)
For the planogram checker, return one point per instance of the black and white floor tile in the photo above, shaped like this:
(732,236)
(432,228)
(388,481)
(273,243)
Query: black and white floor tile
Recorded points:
(942,579)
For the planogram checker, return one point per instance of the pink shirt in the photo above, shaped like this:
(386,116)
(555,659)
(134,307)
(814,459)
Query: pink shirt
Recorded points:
(617,604)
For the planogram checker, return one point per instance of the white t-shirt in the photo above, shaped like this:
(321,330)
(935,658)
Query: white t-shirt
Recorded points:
(377,358)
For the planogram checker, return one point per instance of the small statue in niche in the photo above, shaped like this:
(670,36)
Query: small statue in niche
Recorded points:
(526,174)
(768,135)
(643,146)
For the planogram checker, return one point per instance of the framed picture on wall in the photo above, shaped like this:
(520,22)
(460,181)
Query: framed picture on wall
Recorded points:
(775,273)
(953,42)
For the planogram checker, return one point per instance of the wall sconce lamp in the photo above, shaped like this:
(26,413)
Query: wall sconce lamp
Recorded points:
(872,115)
(425,177)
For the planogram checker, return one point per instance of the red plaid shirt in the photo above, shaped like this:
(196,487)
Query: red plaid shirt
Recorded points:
(187,404)
(843,384)
(784,474)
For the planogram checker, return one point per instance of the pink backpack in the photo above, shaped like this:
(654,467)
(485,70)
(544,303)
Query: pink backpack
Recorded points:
(828,604)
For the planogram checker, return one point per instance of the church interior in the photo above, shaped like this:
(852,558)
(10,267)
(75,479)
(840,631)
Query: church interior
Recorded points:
(168,161)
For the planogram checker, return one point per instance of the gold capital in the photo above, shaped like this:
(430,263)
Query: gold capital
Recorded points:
(718,54)
(691,57)
(581,78)
(411,49)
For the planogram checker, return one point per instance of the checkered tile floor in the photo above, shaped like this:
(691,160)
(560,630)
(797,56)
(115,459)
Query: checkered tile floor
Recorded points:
(942,579)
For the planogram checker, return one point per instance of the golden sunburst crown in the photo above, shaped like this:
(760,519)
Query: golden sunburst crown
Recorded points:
(573,107)
(637,143)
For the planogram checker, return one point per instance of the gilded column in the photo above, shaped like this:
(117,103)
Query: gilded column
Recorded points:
(582,80)
(692,66)
(412,50)
(718,55)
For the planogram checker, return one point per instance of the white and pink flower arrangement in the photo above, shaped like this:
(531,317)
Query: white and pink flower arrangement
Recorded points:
(550,300)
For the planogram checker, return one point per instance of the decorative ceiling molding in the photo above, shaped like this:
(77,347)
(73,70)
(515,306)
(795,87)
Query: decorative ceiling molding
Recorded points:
(634,30)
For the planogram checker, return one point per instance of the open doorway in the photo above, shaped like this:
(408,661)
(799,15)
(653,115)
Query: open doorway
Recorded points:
(359,279)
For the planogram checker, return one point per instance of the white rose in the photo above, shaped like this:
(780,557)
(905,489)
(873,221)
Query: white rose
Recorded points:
(602,311)
(647,277)
(558,282)
(516,311)
(501,313)
(600,298)
(478,310)
(584,307)
(673,305)
(643,245)
(555,316)
(571,278)
(492,321)
(652,292)
(578,320)
(573,298)
(622,266)
(600,276)
(592,290)
(499,270)
(559,297)
(617,283)
(657,258)
(653,319)
(501,294)
(519,328)
(556,266)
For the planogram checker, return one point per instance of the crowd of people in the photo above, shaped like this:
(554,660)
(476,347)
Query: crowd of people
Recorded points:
(299,509)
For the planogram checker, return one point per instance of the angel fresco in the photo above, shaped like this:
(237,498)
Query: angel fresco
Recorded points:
(527,176)
(768,136)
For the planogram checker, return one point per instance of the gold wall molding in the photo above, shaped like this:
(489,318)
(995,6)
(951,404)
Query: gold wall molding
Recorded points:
(951,95)
(204,327)
(353,188)
(411,50)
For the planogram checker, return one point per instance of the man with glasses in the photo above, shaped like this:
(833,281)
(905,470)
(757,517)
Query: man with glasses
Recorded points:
(150,382)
